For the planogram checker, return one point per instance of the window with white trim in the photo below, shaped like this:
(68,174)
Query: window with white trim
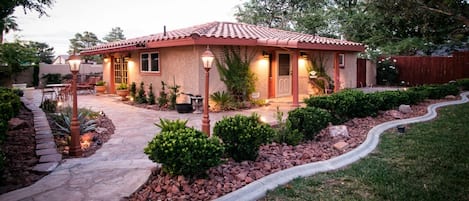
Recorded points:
(150,62)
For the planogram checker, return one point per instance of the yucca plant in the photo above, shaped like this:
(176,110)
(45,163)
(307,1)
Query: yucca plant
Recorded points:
(63,121)
(223,100)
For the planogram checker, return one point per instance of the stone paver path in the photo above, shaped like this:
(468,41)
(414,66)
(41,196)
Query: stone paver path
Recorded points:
(120,167)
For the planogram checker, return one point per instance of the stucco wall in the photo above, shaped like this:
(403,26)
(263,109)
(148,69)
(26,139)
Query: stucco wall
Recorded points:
(183,64)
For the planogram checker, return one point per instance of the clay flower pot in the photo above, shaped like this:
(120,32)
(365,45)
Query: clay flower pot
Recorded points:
(123,93)
(100,89)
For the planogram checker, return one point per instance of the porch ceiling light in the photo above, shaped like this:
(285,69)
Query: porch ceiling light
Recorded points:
(74,61)
(207,58)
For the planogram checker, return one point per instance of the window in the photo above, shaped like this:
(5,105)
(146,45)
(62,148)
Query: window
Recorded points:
(150,62)
(341,60)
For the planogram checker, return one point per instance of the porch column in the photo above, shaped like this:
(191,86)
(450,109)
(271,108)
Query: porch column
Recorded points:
(112,87)
(336,73)
(295,78)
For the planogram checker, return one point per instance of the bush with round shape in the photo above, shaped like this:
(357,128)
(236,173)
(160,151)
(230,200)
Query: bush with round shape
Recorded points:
(185,151)
(309,121)
(242,136)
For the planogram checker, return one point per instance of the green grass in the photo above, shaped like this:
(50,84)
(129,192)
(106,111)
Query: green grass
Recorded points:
(429,162)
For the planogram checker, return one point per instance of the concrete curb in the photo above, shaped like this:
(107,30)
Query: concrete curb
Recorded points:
(258,188)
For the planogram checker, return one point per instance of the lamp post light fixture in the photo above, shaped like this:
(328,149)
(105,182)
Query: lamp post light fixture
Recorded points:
(75,147)
(207,60)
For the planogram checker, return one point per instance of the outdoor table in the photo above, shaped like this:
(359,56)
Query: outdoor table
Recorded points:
(57,88)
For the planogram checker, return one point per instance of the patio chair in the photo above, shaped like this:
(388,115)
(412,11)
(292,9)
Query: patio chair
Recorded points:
(88,85)
(47,93)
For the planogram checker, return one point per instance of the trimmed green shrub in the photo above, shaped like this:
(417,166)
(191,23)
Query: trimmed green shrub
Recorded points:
(185,151)
(308,121)
(171,125)
(242,136)
(151,95)
(437,91)
(387,72)
(141,96)
(133,90)
(163,98)
(463,84)
(345,105)
(10,104)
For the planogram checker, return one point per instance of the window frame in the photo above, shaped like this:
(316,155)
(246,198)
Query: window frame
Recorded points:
(150,63)
(341,60)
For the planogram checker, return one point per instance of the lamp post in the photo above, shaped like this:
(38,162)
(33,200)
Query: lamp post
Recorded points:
(75,147)
(207,60)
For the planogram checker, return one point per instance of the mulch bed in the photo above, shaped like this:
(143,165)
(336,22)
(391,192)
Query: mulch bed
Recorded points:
(274,157)
(20,145)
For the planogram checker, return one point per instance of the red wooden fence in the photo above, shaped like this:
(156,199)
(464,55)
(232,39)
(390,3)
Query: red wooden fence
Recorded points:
(418,70)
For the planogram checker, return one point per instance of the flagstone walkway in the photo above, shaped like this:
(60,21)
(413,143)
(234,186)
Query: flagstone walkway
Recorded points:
(120,167)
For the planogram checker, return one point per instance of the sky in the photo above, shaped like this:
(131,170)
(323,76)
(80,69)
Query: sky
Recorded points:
(136,18)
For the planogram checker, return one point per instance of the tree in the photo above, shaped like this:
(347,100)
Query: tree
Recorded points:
(83,41)
(7,7)
(15,58)
(44,53)
(9,24)
(116,34)
(300,15)
(403,26)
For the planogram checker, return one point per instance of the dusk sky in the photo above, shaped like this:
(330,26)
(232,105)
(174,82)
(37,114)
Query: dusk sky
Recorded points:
(136,18)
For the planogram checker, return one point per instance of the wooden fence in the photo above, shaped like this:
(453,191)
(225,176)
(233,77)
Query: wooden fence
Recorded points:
(418,70)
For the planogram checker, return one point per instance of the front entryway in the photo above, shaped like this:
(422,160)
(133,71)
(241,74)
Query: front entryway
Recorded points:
(284,75)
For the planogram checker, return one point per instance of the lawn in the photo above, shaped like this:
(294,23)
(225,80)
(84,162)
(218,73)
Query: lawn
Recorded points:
(429,162)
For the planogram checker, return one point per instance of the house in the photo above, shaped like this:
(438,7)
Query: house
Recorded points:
(61,59)
(279,62)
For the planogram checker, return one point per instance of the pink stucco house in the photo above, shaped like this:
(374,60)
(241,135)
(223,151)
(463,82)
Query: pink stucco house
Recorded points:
(176,54)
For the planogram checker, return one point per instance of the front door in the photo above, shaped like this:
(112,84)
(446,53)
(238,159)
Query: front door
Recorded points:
(284,75)
(120,70)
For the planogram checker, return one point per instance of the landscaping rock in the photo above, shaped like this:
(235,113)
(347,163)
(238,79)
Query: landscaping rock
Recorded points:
(338,131)
(341,146)
(450,97)
(405,109)
(16,124)
(45,167)
(395,114)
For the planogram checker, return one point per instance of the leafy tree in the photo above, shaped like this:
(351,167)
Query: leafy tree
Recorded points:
(116,34)
(300,15)
(83,41)
(7,7)
(43,51)
(15,58)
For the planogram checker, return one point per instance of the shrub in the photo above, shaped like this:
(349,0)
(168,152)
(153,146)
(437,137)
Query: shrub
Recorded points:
(436,91)
(63,121)
(242,136)
(141,96)
(308,121)
(463,84)
(9,107)
(345,105)
(122,86)
(151,95)
(185,151)
(171,125)
(53,78)
(223,100)
(284,133)
(386,72)
(133,90)
(163,98)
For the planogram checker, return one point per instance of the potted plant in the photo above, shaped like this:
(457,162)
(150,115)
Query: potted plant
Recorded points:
(100,87)
(123,91)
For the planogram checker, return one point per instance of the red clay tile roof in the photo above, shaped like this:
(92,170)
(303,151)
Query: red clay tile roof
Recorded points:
(227,33)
